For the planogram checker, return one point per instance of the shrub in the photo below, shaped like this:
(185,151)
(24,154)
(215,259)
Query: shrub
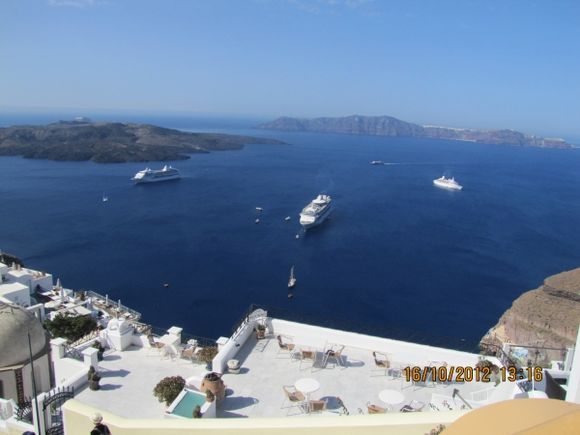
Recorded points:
(168,389)
(197,412)
(437,430)
(207,354)
(484,363)
(71,327)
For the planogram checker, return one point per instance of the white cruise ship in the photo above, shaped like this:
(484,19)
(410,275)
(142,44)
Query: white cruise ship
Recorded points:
(315,212)
(447,183)
(149,175)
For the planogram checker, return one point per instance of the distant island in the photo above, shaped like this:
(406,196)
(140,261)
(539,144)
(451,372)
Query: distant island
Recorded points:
(113,142)
(389,126)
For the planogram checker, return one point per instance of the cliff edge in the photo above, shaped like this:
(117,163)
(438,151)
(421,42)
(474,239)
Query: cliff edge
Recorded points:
(545,317)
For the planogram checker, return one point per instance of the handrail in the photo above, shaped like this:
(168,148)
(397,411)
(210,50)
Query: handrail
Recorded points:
(85,338)
(90,293)
(246,317)
(457,394)
(500,354)
(73,352)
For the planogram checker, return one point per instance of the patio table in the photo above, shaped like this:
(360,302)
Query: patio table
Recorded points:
(391,397)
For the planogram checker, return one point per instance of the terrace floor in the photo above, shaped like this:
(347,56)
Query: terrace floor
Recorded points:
(128,379)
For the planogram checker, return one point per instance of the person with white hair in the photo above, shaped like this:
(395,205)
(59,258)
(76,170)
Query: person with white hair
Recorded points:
(100,428)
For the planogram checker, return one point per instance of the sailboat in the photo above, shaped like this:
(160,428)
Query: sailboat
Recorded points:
(292,280)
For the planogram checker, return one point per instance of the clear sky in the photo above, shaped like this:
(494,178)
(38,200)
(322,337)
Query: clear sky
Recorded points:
(508,64)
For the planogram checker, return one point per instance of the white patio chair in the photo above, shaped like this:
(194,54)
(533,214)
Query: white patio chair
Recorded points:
(335,353)
(292,398)
(154,346)
(413,406)
(285,347)
(382,362)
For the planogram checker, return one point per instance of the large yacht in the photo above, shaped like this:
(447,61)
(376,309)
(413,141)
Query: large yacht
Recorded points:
(315,212)
(447,183)
(149,175)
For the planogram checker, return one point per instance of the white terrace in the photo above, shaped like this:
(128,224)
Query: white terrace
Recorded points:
(129,376)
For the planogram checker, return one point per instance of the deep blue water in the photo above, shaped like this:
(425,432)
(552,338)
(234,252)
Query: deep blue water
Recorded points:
(397,256)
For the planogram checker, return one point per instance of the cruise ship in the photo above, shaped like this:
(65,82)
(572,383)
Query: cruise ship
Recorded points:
(149,175)
(447,183)
(316,212)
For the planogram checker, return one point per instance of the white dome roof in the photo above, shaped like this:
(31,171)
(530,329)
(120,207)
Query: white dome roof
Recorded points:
(15,323)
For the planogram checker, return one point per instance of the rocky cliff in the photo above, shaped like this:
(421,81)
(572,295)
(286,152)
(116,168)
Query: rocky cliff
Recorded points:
(545,317)
(108,142)
(389,126)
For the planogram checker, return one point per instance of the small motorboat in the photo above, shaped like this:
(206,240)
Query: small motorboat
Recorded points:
(166,285)
(292,280)
(105,198)
(287,218)
(259,209)
(257,221)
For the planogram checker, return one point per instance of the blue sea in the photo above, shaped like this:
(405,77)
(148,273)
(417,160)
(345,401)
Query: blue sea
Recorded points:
(398,257)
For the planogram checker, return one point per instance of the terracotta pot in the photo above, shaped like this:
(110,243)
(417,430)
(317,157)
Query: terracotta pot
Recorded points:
(214,383)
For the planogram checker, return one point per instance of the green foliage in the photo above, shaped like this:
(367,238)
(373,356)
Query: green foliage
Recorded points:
(207,354)
(484,363)
(437,430)
(168,389)
(71,327)
(197,412)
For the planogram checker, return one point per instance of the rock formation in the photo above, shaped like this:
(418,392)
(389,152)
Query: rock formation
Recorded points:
(545,317)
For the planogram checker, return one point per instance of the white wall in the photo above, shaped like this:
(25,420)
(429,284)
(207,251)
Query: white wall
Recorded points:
(16,293)
(573,394)
(231,348)
(45,282)
(3,270)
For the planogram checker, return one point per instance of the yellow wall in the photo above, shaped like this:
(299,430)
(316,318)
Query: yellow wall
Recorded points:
(77,421)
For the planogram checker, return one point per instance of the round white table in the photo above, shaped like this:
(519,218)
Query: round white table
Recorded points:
(391,397)
(307,386)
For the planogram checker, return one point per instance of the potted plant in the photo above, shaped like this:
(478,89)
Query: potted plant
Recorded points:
(100,350)
(484,363)
(197,412)
(260,331)
(94,379)
(207,354)
(168,389)
(209,396)
(212,382)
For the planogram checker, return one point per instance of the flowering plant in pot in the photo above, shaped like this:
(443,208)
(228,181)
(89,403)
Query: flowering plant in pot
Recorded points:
(260,331)
(93,378)
(212,383)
